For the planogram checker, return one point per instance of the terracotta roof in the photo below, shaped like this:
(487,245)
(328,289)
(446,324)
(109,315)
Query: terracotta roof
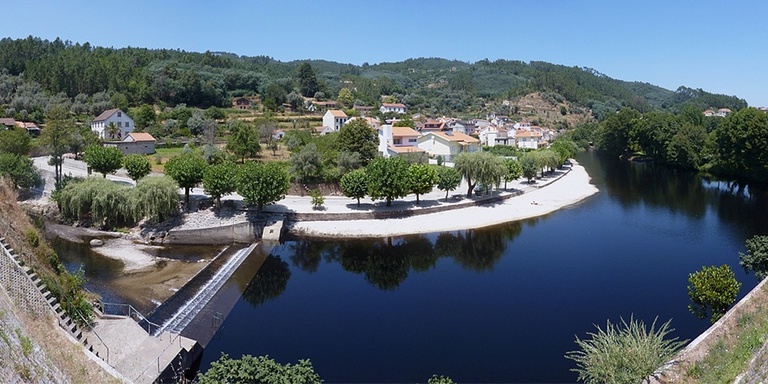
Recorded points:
(337,113)
(105,115)
(393,105)
(527,134)
(404,131)
(405,149)
(7,121)
(456,136)
(141,136)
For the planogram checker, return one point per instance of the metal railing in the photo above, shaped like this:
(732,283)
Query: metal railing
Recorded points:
(97,336)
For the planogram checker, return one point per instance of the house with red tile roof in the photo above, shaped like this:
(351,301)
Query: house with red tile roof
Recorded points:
(528,139)
(447,144)
(334,119)
(141,143)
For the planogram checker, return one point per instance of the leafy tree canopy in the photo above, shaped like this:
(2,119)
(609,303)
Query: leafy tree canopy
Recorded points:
(187,170)
(262,184)
(137,166)
(103,159)
(712,291)
(258,370)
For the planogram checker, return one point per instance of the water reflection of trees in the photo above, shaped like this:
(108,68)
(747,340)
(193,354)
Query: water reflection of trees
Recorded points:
(270,281)
(678,191)
(385,263)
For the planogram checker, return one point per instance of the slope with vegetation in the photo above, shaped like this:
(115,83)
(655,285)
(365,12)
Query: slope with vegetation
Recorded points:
(64,72)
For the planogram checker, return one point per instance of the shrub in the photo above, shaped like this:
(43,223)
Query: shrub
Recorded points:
(712,290)
(756,258)
(317,199)
(625,353)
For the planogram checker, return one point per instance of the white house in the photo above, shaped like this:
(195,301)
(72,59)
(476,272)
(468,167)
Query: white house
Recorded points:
(447,144)
(334,119)
(117,117)
(527,139)
(392,107)
(397,140)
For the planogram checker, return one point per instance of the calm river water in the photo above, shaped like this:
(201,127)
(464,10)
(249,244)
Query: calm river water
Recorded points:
(501,304)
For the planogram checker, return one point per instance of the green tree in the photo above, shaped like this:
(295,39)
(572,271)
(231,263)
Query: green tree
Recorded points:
(479,167)
(514,170)
(358,136)
(388,179)
(307,80)
(347,162)
(565,148)
(422,178)
(614,135)
(137,166)
(258,370)
(712,290)
(113,132)
(262,184)
(317,199)
(354,184)
(55,137)
(448,179)
(20,169)
(345,98)
(685,148)
(243,141)
(529,166)
(16,141)
(154,198)
(307,163)
(187,170)
(741,147)
(756,258)
(82,138)
(220,180)
(624,353)
(435,379)
(549,159)
(144,116)
(103,159)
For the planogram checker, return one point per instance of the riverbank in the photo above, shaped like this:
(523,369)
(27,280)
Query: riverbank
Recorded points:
(545,196)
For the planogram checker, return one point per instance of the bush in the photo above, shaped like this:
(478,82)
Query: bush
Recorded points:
(756,258)
(317,199)
(625,353)
(261,369)
(712,290)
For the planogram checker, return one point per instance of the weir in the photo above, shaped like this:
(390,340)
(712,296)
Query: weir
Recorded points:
(181,308)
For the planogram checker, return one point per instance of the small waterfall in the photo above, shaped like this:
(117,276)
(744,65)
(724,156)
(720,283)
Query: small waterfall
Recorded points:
(187,311)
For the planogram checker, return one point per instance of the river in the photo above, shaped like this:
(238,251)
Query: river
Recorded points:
(500,304)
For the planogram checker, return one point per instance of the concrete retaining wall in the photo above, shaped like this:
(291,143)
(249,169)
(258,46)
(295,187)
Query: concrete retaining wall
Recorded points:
(246,232)
(19,285)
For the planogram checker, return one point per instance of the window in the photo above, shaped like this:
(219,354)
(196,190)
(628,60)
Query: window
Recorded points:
(412,140)
(398,141)
(127,124)
(119,124)
(119,114)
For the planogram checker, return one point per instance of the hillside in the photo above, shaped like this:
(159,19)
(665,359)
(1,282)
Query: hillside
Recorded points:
(32,347)
(65,72)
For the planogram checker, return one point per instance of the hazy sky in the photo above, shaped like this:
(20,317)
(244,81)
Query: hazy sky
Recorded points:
(713,45)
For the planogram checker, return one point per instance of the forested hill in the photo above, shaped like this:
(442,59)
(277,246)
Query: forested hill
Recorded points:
(429,85)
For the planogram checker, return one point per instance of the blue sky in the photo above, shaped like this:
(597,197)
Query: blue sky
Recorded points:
(714,45)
